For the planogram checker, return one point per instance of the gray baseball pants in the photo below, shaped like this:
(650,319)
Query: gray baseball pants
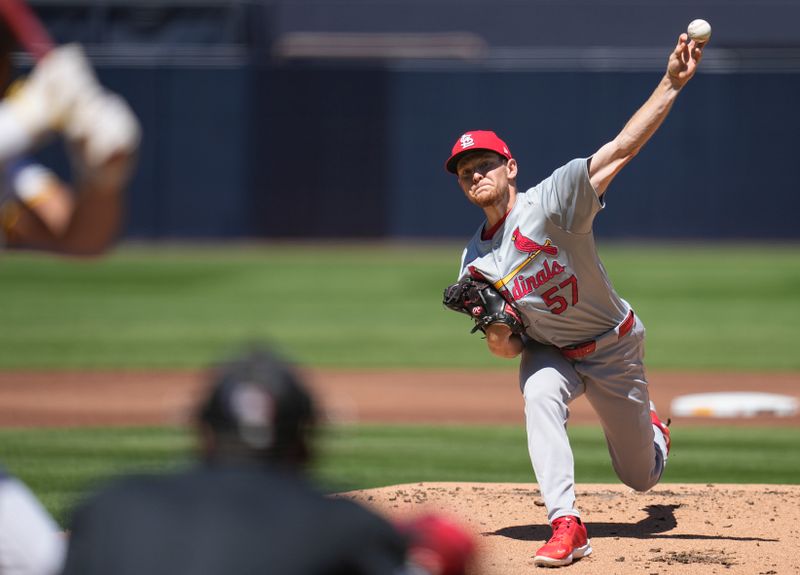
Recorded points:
(613,380)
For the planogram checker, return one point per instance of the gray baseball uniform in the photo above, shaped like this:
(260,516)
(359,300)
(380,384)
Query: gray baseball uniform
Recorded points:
(581,337)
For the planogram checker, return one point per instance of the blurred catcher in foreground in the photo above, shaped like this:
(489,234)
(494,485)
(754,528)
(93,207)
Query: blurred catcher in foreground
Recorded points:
(62,97)
(248,507)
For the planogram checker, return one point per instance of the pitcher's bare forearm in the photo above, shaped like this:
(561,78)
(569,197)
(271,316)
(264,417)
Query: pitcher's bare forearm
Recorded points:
(606,163)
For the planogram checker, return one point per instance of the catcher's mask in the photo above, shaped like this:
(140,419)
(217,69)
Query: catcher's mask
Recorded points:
(258,408)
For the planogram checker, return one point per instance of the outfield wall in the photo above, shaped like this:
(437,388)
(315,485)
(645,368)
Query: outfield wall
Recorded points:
(359,152)
(248,135)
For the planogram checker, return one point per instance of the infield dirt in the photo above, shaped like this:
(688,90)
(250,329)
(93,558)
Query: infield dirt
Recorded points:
(55,399)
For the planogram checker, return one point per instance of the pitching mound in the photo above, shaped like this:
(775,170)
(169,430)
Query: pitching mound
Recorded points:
(673,529)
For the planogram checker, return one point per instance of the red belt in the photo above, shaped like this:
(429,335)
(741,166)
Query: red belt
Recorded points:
(580,350)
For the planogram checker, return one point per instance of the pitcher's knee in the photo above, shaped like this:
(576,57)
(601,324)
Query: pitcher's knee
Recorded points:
(640,479)
(640,484)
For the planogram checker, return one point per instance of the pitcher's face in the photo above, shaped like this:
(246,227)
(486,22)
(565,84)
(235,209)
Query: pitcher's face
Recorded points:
(484,177)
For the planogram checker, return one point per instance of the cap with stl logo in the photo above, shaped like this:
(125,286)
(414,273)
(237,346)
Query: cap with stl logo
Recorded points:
(476,140)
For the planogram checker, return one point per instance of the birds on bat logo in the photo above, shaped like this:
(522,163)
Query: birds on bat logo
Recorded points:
(528,246)
(522,285)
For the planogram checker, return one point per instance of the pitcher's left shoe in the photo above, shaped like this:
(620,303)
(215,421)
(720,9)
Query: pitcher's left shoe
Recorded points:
(569,542)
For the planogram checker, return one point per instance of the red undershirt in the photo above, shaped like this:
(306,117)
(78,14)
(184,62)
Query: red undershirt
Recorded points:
(488,234)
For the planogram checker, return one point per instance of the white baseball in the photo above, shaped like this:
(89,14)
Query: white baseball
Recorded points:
(699,30)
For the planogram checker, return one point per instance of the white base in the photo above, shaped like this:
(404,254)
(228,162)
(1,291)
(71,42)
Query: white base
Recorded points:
(734,404)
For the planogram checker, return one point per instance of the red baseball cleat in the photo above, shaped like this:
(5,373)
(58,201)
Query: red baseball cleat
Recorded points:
(664,427)
(569,542)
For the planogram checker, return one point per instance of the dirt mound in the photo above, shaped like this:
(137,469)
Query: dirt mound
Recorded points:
(673,529)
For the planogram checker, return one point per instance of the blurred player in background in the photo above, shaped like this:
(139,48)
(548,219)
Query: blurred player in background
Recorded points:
(38,210)
(248,507)
(62,97)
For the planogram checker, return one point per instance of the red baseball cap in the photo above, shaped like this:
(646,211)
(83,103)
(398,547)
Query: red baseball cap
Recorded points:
(476,140)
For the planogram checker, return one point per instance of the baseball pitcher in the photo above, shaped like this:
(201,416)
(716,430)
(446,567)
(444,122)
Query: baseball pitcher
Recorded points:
(557,309)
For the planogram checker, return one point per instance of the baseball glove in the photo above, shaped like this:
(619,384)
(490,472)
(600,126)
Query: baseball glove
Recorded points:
(484,304)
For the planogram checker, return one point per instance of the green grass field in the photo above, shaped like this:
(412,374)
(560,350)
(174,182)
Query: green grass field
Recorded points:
(710,307)
(62,465)
(705,307)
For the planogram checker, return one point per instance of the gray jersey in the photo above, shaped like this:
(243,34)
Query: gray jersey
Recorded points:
(544,258)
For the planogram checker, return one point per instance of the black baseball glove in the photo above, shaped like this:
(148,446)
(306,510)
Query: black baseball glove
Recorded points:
(482,303)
